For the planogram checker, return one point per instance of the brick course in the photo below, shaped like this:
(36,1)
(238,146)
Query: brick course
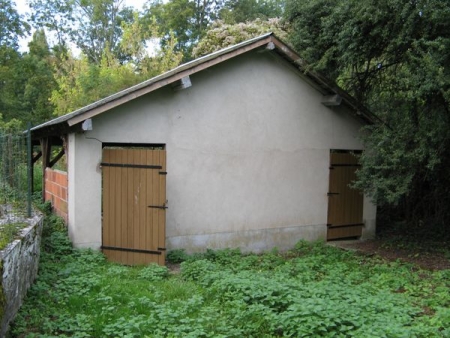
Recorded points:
(56,191)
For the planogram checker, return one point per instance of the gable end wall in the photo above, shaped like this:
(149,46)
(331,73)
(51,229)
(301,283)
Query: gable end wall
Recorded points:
(247,157)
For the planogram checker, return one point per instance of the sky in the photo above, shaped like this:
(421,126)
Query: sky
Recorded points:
(22,8)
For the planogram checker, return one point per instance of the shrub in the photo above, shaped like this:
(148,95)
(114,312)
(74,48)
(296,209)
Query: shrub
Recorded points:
(8,233)
(154,272)
(177,256)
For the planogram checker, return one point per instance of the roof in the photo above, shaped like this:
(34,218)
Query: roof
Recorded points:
(269,41)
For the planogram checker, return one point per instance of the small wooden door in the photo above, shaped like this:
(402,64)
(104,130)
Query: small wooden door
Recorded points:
(134,205)
(345,205)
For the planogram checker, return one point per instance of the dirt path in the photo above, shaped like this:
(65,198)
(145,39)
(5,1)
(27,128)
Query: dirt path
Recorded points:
(430,256)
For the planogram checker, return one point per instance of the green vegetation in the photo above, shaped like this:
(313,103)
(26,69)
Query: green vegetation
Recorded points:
(393,56)
(313,290)
(191,20)
(13,187)
(14,170)
(49,80)
(9,232)
(221,35)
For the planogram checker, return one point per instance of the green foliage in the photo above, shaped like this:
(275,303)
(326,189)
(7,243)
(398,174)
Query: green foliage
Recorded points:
(153,273)
(57,243)
(11,84)
(27,83)
(44,207)
(21,174)
(313,290)
(186,19)
(224,256)
(12,126)
(249,10)
(37,67)
(81,82)
(93,25)
(221,35)
(176,256)
(393,56)
(198,269)
(12,25)
(52,222)
(190,21)
(9,232)
(13,171)
(357,42)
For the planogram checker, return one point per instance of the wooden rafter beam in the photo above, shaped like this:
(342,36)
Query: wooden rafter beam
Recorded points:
(37,157)
(57,158)
(46,147)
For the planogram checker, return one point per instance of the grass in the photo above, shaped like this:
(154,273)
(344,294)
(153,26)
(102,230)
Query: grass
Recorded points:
(9,232)
(313,290)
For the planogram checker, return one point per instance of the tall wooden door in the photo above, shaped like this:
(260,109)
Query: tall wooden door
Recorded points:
(134,205)
(345,205)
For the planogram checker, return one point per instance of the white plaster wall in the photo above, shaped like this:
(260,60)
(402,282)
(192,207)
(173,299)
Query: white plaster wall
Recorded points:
(84,192)
(247,157)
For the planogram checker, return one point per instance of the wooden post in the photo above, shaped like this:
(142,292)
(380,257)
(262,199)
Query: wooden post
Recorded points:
(32,175)
(29,169)
(46,150)
(35,158)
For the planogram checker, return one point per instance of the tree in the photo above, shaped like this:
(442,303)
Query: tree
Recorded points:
(393,56)
(12,27)
(236,11)
(93,25)
(11,83)
(186,19)
(222,35)
(38,66)
(27,82)
(190,20)
(81,82)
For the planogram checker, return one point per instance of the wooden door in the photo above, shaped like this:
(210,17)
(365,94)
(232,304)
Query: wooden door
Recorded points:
(134,205)
(345,205)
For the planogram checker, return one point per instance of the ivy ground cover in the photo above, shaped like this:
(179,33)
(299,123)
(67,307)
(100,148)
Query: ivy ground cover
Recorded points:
(312,291)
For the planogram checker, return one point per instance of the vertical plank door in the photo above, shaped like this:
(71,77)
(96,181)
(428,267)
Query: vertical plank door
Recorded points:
(134,205)
(345,205)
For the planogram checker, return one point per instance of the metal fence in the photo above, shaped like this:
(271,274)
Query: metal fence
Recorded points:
(15,175)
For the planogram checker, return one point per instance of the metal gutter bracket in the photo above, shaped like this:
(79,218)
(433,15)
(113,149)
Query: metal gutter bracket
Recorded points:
(183,83)
(87,125)
(331,100)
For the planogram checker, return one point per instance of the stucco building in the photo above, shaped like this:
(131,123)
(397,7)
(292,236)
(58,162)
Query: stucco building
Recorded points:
(240,148)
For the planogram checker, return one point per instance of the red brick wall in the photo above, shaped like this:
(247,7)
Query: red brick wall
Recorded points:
(56,191)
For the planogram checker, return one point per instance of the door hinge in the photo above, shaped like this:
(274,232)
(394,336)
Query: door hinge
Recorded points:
(164,206)
(344,225)
(103,247)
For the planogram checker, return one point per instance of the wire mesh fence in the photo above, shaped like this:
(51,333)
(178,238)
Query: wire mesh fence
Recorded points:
(15,194)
